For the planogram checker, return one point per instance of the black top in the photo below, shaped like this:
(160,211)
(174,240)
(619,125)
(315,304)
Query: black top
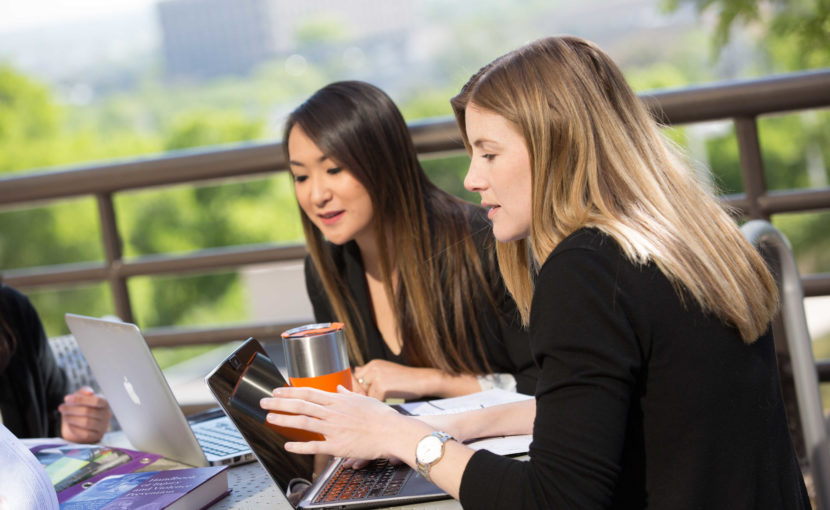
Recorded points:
(505,342)
(32,386)
(641,403)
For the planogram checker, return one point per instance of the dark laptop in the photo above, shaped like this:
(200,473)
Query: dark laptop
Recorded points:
(378,484)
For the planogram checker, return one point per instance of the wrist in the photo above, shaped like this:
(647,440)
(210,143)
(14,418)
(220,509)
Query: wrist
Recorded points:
(431,382)
(408,432)
(429,452)
(438,383)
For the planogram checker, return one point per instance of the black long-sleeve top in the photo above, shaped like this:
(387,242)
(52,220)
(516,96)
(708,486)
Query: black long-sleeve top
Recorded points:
(32,386)
(641,402)
(505,343)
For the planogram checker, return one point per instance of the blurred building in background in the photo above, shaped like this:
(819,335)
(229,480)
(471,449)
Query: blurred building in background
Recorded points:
(208,38)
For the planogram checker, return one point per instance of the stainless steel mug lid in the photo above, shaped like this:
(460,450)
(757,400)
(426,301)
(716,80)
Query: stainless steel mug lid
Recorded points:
(313,329)
(315,349)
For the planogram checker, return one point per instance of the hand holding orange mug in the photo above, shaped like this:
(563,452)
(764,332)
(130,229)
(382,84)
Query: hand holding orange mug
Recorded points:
(316,356)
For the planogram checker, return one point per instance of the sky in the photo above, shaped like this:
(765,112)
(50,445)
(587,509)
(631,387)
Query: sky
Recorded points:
(23,14)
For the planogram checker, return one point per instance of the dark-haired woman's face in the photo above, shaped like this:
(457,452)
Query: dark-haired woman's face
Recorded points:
(332,198)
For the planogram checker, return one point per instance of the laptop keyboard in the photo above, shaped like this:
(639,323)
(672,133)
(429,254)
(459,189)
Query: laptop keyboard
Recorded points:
(379,478)
(221,438)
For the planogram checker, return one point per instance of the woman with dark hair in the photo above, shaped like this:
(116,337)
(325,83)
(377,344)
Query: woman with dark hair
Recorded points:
(33,393)
(407,267)
(649,314)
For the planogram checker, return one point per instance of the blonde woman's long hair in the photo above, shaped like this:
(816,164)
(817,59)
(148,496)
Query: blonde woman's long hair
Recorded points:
(598,160)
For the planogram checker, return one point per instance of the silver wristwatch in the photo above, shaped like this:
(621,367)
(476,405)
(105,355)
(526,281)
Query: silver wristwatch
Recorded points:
(429,451)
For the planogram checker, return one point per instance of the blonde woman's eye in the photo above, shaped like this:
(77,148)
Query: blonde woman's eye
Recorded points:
(489,157)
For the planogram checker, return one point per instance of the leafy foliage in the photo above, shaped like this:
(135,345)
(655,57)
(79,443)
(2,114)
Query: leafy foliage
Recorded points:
(796,30)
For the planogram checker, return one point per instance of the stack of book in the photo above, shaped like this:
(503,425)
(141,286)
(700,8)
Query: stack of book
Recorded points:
(91,477)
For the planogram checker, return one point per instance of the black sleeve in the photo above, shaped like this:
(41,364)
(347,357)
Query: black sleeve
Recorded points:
(34,384)
(53,377)
(589,356)
(506,343)
(317,294)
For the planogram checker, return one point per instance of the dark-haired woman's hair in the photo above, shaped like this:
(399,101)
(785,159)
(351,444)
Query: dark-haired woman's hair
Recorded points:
(441,283)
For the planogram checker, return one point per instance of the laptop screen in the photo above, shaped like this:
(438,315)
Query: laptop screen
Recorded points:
(234,384)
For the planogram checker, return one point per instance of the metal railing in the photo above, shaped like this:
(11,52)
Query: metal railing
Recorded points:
(742,102)
(812,440)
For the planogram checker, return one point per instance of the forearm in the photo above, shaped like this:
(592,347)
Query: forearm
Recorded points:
(448,471)
(503,420)
(437,383)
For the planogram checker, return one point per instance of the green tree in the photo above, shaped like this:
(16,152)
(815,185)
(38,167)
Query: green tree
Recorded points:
(795,29)
(28,116)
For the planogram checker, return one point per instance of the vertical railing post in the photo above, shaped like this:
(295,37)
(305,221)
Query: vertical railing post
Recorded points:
(752,165)
(113,253)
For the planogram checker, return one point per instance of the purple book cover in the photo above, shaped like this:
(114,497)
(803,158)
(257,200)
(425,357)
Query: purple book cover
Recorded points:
(150,490)
(72,467)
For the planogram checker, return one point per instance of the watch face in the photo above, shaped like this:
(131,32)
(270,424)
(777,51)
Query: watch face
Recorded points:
(428,450)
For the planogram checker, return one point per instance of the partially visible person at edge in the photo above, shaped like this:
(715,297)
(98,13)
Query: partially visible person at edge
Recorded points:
(34,399)
(408,268)
(649,315)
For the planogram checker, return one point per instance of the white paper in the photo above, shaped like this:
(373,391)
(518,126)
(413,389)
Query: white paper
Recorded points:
(470,402)
(504,445)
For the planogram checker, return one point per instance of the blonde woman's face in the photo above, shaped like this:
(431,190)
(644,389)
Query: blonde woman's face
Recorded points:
(333,199)
(499,172)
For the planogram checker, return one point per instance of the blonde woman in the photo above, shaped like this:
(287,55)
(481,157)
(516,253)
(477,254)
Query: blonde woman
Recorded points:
(649,315)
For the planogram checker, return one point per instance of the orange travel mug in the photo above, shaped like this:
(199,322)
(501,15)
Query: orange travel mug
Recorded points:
(316,356)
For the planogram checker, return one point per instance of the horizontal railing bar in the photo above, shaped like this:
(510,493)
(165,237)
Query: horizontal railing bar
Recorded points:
(775,94)
(213,258)
(171,168)
(57,275)
(777,202)
(817,284)
(773,202)
(179,336)
(763,96)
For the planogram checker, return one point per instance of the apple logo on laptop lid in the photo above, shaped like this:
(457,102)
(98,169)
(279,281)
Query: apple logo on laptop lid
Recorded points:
(131,391)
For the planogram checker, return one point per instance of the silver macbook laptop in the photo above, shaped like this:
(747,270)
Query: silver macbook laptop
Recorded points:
(238,383)
(142,400)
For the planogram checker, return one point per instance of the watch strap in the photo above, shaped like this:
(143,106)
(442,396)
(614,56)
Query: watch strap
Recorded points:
(424,467)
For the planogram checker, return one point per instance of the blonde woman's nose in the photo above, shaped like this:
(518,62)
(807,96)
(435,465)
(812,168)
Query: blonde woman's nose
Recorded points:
(474,181)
